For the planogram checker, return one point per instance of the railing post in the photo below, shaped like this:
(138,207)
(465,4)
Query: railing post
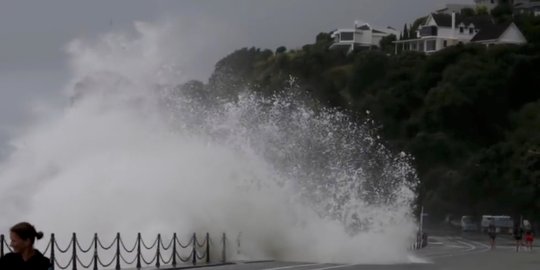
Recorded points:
(96,258)
(158,254)
(174,250)
(74,256)
(224,251)
(2,246)
(194,260)
(207,248)
(53,259)
(117,251)
(139,251)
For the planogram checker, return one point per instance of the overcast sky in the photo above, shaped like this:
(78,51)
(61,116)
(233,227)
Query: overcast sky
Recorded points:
(33,34)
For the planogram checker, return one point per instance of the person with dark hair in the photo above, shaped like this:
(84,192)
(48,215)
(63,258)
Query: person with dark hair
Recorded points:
(24,256)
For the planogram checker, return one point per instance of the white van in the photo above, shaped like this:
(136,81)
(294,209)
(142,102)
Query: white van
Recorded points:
(486,220)
(468,224)
(503,224)
(526,224)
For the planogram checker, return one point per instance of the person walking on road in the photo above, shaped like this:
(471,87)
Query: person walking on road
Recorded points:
(492,233)
(529,239)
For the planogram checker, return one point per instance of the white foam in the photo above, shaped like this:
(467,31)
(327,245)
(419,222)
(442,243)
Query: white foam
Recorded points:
(296,183)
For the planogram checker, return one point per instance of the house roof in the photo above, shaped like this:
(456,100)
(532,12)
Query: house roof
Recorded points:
(441,10)
(363,27)
(445,20)
(442,19)
(528,5)
(478,21)
(491,32)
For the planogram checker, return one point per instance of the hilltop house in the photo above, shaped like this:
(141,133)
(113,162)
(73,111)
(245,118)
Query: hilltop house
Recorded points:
(455,8)
(362,36)
(520,6)
(441,30)
(527,7)
(489,4)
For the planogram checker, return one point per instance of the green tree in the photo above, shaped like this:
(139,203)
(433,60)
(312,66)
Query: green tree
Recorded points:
(530,26)
(387,43)
(468,12)
(281,49)
(412,32)
(503,12)
(482,10)
(405,32)
(369,68)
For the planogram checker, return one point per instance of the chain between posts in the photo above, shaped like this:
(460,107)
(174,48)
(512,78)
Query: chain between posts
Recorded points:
(199,250)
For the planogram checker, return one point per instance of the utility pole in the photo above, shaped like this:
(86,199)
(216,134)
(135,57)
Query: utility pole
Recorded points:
(419,237)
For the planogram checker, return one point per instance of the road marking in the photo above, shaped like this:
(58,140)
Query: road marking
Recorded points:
(471,250)
(471,247)
(479,243)
(293,266)
(335,267)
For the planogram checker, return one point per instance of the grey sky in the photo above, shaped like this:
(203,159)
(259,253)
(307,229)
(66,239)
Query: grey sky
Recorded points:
(33,34)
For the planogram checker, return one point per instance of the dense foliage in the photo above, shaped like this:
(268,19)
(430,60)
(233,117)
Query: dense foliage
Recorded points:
(470,115)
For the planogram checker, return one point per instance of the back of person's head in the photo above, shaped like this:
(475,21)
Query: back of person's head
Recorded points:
(26,231)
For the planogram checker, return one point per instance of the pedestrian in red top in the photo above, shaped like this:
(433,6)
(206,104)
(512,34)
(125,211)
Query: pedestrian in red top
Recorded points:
(529,239)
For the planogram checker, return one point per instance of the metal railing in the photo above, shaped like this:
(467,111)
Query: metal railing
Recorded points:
(198,250)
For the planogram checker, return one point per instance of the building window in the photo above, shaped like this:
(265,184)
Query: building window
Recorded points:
(428,31)
(445,43)
(471,30)
(421,46)
(347,36)
(461,29)
(431,45)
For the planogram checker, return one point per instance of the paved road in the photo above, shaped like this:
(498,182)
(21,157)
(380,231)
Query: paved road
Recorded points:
(443,253)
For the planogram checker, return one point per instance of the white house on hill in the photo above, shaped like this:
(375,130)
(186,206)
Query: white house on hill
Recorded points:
(455,8)
(527,7)
(362,36)
(520,6)
(489,4)
(442,30)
